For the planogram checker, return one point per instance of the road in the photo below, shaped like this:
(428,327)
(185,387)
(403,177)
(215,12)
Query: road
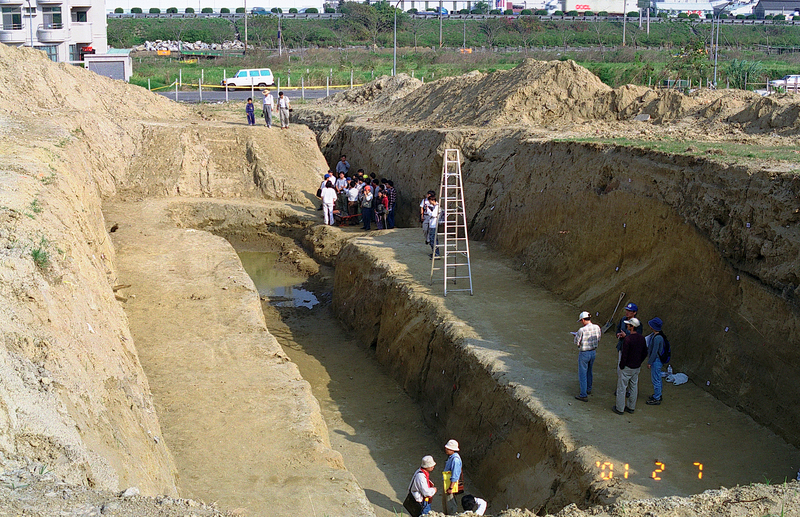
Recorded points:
(242,95)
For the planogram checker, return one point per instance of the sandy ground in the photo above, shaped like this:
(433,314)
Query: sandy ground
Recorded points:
(525,330)
(240,421)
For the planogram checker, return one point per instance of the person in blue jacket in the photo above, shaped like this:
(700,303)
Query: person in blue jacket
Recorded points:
(453,465)
(250,109)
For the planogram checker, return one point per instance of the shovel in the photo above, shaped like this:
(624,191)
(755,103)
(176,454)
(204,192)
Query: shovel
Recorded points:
(611,319)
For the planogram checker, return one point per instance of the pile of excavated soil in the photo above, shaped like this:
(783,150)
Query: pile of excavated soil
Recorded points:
(31,84)
(560,94)
(382,90)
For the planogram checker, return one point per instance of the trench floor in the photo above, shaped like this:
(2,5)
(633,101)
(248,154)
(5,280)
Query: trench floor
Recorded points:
(371,421)
(525,331)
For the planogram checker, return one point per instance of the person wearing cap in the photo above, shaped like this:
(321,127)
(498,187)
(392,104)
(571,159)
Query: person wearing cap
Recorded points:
(656,348)
(422,488)
(456,485)
(586,339)
(634,352)
(325,179)
(365,201)
(631,310)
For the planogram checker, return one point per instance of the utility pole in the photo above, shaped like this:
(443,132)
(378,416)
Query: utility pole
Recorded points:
(280,37)
(624,17)
(245,27)
(440,23)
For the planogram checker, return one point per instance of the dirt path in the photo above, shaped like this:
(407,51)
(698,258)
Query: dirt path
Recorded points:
(241,423)
(525,330)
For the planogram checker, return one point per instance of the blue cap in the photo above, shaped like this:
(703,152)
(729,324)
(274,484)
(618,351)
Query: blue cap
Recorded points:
(656,324)
(327,176)
(632,307)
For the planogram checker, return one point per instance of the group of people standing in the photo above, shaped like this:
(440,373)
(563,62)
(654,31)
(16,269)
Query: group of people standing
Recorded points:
(284,106)
(345,194)
(633,348)
(422,489)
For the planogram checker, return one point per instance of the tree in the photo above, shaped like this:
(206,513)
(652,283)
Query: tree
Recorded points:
(527,27)
(224,10)
(154,10)
(480,8)
(691,62)
(293,10)
(312,10)
(414,25)
(189,10)
(207,10)
(172,10)
(491,28)
(370,20)
(119,10)
(136,10)
(240,10)
(740,72)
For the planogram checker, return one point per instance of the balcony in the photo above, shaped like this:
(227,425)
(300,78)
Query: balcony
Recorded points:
(81,32)
(11,34)
(52,33)
(11,2)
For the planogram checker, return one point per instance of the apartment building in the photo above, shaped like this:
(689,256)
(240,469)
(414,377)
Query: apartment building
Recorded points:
(64,29)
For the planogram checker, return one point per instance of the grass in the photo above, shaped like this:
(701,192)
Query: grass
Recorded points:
(40,254)
(35,208)
(719,150)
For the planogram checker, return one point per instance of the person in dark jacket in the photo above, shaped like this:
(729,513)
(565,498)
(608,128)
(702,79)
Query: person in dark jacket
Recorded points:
(634,352)
(654,360)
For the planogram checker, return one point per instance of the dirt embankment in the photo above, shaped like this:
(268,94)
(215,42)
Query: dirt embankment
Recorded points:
(710,247)
(75,401)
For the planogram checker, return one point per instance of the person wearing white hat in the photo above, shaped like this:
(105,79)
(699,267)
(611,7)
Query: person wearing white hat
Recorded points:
(421,489)
(456,485)
(586,339)
(634,352)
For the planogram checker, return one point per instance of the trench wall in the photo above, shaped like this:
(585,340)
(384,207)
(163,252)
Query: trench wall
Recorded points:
(712,249)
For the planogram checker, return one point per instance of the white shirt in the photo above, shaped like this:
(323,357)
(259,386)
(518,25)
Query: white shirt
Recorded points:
(352,194)
(425,205)
(269,100)
(283,102)
(328,196)
(419,487)
(481,506)
(433,213)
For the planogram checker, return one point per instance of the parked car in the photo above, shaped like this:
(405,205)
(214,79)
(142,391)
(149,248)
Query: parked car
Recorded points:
(788,82)
(260,77)
(260,11)
(435,12)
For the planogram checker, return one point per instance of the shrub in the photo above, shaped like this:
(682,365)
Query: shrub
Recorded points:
(589,13)
(207,10)
(463,11)
(172,10)
(240,10)
(119,10)
(663,15)
(602,13)
(330,10)
(795,18)
(633,14)
(154,10)
(224,10)
(558,13)
(768,17)
(573,13)
(136,10)
(779,17)
(293,10)
(683,16)
(495,11)
(508,11)
(740,17)
(709,16)
(189,10)
(276,10)
(750,17)
(312,10)
(723,16)
(540,12)
(413,10)
(526,12)
(694,16)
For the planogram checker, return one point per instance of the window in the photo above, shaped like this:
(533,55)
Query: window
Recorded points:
(52,18)
(74,53)
(50,50)
(80,16)
(266,72)
(253,73)
(30,11)
(12,19)
(243,73)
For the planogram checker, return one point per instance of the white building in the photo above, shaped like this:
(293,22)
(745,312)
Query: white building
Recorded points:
(216,5)
(63,29)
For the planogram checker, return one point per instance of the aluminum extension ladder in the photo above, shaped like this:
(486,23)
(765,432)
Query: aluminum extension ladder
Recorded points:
(452,242)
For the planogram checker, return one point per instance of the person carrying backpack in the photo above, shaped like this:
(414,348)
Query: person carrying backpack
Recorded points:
(658,355)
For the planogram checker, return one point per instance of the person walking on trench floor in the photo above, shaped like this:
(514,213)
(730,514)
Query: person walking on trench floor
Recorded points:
(586,339)
(453,484)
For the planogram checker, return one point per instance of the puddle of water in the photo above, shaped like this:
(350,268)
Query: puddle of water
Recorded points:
(274,285)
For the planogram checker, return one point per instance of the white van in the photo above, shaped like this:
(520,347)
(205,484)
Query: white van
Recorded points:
(251,77)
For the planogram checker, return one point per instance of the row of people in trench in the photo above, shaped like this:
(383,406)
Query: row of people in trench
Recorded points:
(348,196)
(633,349)
(422,488)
